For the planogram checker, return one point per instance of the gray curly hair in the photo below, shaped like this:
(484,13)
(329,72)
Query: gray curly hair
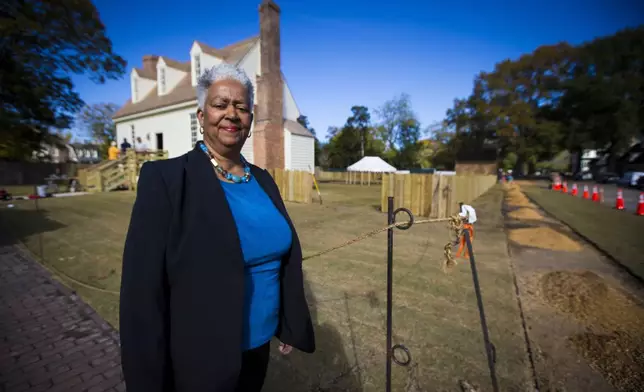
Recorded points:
(223,71)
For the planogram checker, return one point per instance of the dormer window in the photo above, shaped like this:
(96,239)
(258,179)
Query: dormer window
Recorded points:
(197,61)
(162,77)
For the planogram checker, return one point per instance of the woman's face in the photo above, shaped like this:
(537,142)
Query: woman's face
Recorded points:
(226,117)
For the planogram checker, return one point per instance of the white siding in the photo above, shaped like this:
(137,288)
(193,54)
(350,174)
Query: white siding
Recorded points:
(208,61)
(250,62)
(287,149)
(143,86)
(174,125)
(194,52)
(291,112)
(299,152)
(172,77)
(252,65)
(177,132)
(302,153)
(134,87)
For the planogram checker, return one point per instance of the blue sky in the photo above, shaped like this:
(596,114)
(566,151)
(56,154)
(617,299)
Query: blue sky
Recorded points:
(336,54)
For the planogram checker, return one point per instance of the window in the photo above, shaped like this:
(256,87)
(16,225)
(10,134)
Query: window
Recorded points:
(194,127)
(162,80)
(197,61)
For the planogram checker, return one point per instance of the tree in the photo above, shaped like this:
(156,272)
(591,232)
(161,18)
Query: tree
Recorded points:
(558,97)
(392,114)
(603,102)
(359,121)
(96,122)
(345,144)
(41,44)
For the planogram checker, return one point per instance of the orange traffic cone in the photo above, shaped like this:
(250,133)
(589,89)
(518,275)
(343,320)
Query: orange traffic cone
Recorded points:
(619,203)
(595,194)
(586,195)
(640,205)
(564,188)
(574,190)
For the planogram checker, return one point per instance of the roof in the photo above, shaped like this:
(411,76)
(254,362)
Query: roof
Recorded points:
(183,91)
(185,66)
(147,73)
(372,164)
(297,129)
(231,53)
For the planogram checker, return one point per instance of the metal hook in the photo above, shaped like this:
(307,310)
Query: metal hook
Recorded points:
(407,355)
(409,223)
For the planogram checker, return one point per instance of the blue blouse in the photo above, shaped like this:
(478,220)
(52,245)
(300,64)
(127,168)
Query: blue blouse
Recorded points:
(265,238)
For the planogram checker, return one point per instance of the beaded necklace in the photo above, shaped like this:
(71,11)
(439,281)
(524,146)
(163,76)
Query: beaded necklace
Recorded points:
(224,173)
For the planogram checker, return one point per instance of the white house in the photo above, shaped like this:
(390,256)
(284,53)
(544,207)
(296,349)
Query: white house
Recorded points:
(163,104)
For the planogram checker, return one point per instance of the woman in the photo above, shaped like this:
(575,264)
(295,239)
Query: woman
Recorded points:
(212,267)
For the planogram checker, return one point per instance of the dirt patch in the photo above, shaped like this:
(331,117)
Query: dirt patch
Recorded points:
(544,238)
(617,349)
(587,297)
(618,357)
(525,214)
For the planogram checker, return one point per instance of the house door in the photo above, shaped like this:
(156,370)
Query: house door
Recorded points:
(159,141)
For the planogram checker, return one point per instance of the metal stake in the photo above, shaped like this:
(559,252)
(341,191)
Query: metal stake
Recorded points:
(489,347)
(391,219)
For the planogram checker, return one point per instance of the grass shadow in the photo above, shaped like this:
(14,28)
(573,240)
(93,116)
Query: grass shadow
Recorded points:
(23,221)
(328,369)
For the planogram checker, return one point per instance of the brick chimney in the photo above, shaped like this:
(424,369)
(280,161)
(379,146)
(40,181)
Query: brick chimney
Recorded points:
(268,132)
(150,63)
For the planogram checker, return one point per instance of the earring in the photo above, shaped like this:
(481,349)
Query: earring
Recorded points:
(249,133)
(201,129)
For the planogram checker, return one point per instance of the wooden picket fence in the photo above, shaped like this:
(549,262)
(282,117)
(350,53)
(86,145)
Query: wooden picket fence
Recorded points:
(350,178)
(295,186)
(433,196)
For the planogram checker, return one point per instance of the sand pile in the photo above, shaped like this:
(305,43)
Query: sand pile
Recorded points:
(617,349)
(525,214)
(543,238)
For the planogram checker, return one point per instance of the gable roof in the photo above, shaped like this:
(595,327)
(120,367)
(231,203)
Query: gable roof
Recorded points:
(183,91)
(185,66)
(297,129)
(147,73)
(231,53)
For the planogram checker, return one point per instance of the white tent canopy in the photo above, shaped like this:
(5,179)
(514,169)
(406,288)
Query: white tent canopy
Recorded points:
(371,164)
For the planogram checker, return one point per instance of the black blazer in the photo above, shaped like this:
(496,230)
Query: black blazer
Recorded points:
(182,285)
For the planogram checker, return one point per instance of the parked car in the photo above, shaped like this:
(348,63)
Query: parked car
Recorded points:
(640,183)
(630,179)
(607,178)
(584,176)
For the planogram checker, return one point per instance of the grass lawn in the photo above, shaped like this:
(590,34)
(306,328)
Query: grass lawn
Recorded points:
(618,233)
(19,190)
(435,314)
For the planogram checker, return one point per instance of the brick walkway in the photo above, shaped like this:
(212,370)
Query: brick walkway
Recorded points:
(50,340)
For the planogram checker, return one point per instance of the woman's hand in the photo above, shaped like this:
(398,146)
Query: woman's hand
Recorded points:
(285,349)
